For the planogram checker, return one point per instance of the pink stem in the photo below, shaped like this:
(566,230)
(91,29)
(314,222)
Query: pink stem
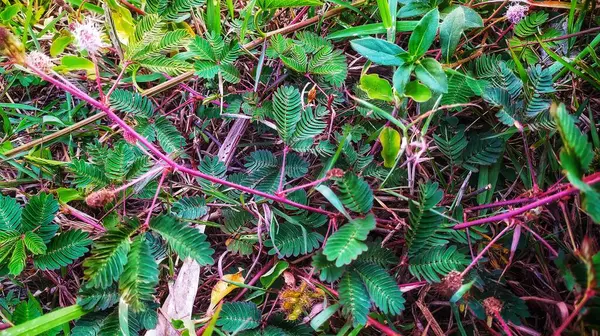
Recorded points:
(286,149)
(307,185)
(492,242)
(500,204)
(160,183)
(548,199)
(116,81)
(540,239)
(164,157)
(503,324)
(98,78)
(589,293)
(83,217)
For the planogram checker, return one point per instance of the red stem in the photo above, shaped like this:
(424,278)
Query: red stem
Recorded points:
(160,183)
(540,239)
(503,324)
(83,217)
(492,242)
(589,293)
(117,120)
(548,199)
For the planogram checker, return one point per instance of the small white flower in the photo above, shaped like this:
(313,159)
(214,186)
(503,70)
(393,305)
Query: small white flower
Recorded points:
(516,12)
(40,61)
(88,37)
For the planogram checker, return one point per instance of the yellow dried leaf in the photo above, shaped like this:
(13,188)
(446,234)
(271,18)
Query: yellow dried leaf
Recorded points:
(222,288)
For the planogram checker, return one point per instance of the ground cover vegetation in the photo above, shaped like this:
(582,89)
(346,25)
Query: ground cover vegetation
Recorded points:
(299,167)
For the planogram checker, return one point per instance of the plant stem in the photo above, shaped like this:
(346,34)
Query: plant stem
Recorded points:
(594,178)
(307,185)
(83,217)
(540,239)
(503,324)
(589,293)
(160,183)
(480,255)
(286,149)
(123,125)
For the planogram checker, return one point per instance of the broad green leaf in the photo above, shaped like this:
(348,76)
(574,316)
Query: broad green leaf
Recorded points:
(59,45)
(274,4)
(275,272)
(376,87)
(418,92)
(66,195)
(123,22)
(390,143)
(402,77)
(371,29)
(379,51)
(10,11)
(75,63)
(414,8)
(451,31)
(430,73)
(424,34)
(455,23)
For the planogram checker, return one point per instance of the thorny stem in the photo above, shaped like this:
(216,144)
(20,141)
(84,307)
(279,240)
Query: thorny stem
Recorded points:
(480,255)
(160,183)
(125,65)
(589,293)
(286,149)
(540,239)
(594,178)
(503,324)
(569,230)
(307,185)
(501,204)
(98,78)
(122,124)
(83,217)
(147,174)
(536,188)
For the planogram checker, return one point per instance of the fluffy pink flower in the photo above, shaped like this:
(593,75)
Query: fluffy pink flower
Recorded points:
(516,12)
(40,61)
(88,37)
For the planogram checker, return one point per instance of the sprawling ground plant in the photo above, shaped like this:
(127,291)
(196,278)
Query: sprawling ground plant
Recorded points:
(299,167)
